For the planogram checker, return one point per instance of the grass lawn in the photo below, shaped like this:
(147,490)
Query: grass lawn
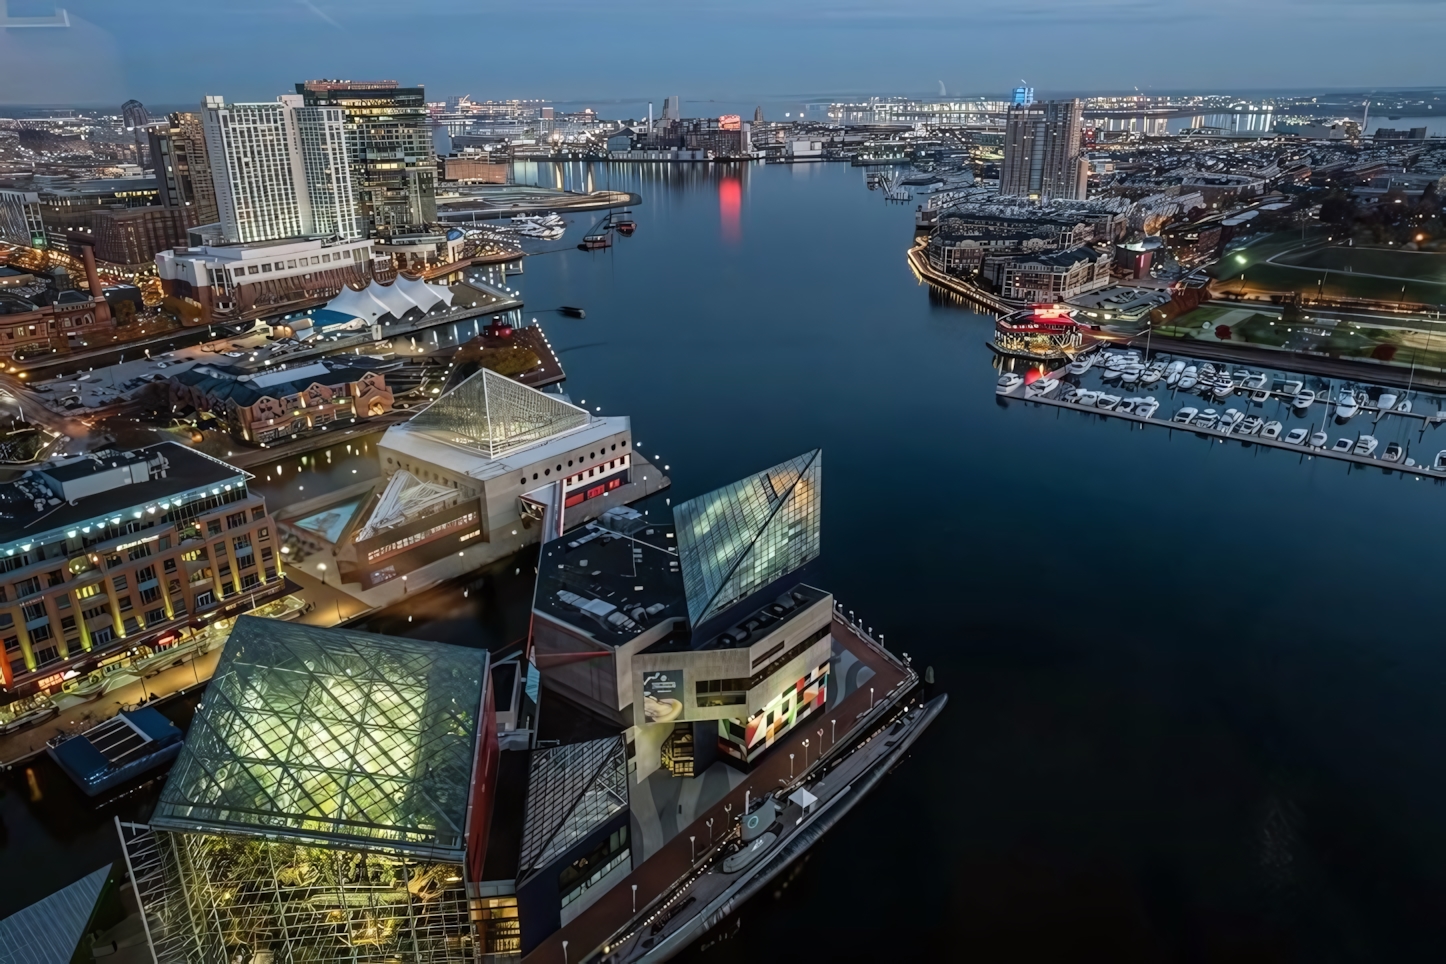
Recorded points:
(1336,271)
(1338,338)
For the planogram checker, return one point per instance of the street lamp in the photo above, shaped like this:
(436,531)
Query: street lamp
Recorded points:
(805,754)
(871,697)
(833,738)
(692,851)
(321,566)
(710,831)
(635,898)
(790,766)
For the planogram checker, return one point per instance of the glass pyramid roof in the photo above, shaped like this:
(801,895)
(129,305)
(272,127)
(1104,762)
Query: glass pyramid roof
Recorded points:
(571,790)
(497,415)
(736,540)
(332,737)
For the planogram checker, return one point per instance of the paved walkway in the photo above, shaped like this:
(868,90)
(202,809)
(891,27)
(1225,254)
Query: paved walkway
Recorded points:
(659,872)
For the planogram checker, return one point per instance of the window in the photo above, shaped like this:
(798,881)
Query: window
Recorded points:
(265,268)
(27,587)
(89,614)
(62,601)
(213,527)
(67,623)
(258,512)
(265,553)
(113,560)
(33,611)
(49,654)
(249,580)
(270,573)
(139,552)
(163,543)
(146,574)
(85,592)
(102,636)
(12,643)
(155,616)
(204,599)
(220,551)
(241,542)
(170,565)
(6,620)
(124,604)
(251,269)
(120,583)
(235,519)
(54,578)
(150,595)
(40,634)
(263,533)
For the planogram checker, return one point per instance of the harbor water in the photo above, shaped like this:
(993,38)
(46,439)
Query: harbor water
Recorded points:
(1194,686)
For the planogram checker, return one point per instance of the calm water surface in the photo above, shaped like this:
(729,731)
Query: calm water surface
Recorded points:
(1195,688)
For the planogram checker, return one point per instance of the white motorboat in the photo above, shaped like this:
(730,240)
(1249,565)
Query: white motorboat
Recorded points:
(1230,420)
(1241,375)
(1127,405)
(1115,360)
(1185,415)
(1147,407)
(1258,382)
(1191,376)
(1296,436)
(1088,398)
(1206,419)
(1008,383)
(1108,402)
(1366,445)
(1174,368)
(1081,365)
(1347,405)
(1273,429)
(1207,369)
(1292,388)
(1132,375)
(1394,453)
(1403,407)
(1041,387)
(1260,395)
(1110,374)
(1070,394)
(1318,440)
(1342,445)
(1153,374)
(1303,399)
(1223,386)
(1387,401)
(1251,425)
(1440,464)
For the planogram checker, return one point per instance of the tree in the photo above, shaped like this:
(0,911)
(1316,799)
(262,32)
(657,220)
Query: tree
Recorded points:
(125,313)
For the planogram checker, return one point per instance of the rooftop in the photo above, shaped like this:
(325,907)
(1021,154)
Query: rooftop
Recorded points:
(496,415)
(571,790)
(332,738)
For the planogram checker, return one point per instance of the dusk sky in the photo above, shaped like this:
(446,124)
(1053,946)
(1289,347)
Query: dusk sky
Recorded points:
(174,51)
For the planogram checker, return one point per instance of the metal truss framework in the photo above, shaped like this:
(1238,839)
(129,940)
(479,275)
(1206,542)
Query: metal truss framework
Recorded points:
(406,498)
(571,790)
(497,415)
(736,540)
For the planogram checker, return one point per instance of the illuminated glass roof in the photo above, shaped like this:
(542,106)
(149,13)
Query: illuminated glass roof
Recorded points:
(497,415)
(571,790)
(332,737)
(736,540)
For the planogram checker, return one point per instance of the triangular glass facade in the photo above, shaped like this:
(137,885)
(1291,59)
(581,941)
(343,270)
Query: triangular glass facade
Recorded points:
(736,540)
(497,415)
(571,790)
(331,737)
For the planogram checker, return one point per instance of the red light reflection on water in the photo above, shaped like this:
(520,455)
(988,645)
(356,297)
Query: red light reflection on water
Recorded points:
(730,204)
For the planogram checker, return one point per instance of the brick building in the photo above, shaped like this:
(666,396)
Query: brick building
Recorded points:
(276,405)
(109,552)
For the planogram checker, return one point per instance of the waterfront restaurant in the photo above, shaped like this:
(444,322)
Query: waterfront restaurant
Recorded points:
(1039,331)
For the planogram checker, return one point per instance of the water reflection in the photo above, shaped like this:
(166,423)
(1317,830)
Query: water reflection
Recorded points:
(730,205)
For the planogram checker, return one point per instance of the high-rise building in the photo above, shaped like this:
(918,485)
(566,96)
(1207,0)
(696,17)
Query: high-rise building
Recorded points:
(1042,157)
(136,118)
(392,160)
(280,170)
(1023,96)
(672,109)
(183,169)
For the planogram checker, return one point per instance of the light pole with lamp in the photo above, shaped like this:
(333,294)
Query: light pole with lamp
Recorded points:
(805,753)
(790,766)
(635,898)
(833,737)
(321,567)
(692,850)
(710,831)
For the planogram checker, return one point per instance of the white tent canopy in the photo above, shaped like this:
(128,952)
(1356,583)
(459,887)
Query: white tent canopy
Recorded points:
(377,301)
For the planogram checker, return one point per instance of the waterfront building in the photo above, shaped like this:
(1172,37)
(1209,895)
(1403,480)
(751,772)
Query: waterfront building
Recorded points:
(1023,96)
(74,320)
(1042,157)
(279,404)
(21,219)
(280,170)
(332,802)
(216,281)
(1049,277)
(390,155)
(183,168)
(129,549)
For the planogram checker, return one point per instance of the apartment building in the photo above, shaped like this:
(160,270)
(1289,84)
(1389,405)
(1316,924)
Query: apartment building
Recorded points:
(104,553)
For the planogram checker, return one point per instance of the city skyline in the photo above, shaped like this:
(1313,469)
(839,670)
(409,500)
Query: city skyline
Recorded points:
(150,50)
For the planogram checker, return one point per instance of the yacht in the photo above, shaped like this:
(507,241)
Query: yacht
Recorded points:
(1260,395)
(1206,419)
(1153,374)
(1088,398)
(1081,365)
(1366,445)
(1127,406)
(1008,383)
(1223,386)
(1189,378)
(1440,464)
(1230,419)
(1147,407)
(1172,373)
(1242,376)
(1184,415)
(1070,395)
(1108,402)
(1131,375)
(1258,382)
(1110,374)
(1347,405)
(1207,370)
(1394,452)
(1272,430)
(1303,399)
(1404,406)
(1251,425)
(1041,387)
(1387,401)
(1296,436)
(1292,388)
(1318,440)
(1342,445)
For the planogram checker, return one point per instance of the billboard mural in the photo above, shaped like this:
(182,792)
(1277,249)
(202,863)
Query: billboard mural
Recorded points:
(662,695)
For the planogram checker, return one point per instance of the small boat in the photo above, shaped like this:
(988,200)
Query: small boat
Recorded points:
(1187,381)
(1174,368)
(1365,445)
(1440,464)
(1115,360)
(1147,407)
(1230,419)
(1404,406)
(1127,406)
(1394,453)
(1318,440)
(1251,425)
(1206,419)
(1088,398)
(1109,374)
(1153,374)
(1242,375)
(591,242)
(1108,402)
(1041,387)
(1303,399)
(1347,405)
(1258,382)
(1296,436)
(624,222)
(1223,386)
(1070,394)
(1184,416)
(1387,401)
(1131,375)
(1292,388)
(1272,430)
(1342,445)
(571,311)
(1081,365)
(1207,369)
(1007,384)
(1260,395)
